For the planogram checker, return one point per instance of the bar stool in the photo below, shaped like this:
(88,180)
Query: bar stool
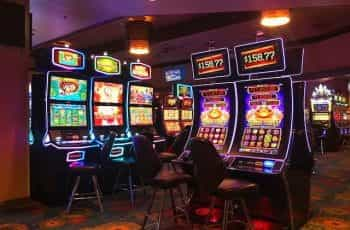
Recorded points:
(148,164)
(81,169)
(209,176)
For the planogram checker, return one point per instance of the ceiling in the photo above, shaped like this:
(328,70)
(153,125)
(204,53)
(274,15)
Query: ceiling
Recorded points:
(181,27)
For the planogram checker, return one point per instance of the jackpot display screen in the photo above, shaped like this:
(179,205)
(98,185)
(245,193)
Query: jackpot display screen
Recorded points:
(171,114)
(141,95)
(68,89)
(108,92)
(214,115)
(321,108)
(66,115)
(108,115)
(264,118)
(141,116)
(260,57)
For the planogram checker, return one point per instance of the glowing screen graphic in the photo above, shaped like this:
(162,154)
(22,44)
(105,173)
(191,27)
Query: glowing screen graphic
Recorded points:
(107,65)
(66,115)
(141,95)
(183,90)
(171,114)
(68,89)
(264,113)
(186,115)
(141,116)
(172,127)
(108,115)
(214,115)
(108,92)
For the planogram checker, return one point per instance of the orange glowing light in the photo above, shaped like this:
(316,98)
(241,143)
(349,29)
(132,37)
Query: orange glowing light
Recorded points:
(139,47)
(274,18)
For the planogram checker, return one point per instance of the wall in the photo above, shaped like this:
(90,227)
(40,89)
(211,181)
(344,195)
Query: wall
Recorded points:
(14,154)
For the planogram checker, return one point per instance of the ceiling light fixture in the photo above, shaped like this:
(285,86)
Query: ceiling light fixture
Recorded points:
(274,18)
(138,36)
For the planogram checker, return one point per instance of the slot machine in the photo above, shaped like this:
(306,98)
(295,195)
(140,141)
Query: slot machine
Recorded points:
(271,148)
(141,114)
(107,105)
(171,115)
(324,118)
(61,120)
(186,112)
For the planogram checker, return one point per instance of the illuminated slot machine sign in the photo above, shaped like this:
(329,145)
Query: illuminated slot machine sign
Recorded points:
(321,105)
(171,115)
(264,114)
(107,65)
(214,116)
(140,71)
(211,64)
(260,57)
(67,58)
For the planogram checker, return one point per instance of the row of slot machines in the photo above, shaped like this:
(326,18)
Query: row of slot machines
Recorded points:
(330,117)
(73,110)
(259,128)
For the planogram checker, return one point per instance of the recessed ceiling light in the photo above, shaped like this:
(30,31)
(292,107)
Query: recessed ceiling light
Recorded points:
(274,18)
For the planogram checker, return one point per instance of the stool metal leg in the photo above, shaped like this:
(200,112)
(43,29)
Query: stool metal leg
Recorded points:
(247,216)
(116,183)
(161,209)
(149,209)
(98,195)
(131,189)
(225,217)
(75,188)
(173,206)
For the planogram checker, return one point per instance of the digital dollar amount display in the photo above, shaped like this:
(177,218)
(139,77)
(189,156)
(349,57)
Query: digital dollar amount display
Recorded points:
(260,57)
(211,64)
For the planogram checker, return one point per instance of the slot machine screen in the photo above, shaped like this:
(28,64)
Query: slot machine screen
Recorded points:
(171,115)
(264,119)
(66,115)
(141,95)
(321,108)
(214,115)
(108,92)
(172,127)
(68,89)
(141,116)
(108,116)
(186,115)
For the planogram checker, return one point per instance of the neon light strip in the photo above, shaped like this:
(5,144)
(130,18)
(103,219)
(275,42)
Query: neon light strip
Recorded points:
(229,64)
(254,43)
(75,160)
(305,128)
(64,66)
(106,73)
(140,63)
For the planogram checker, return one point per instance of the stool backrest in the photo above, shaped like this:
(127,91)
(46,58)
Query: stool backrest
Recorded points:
(107,148)
(180,141)
(209,168)
(147,161)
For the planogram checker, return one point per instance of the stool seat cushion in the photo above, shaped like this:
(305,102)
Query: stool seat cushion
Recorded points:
(169,179)
(167,156)
(83,167)
(235,188)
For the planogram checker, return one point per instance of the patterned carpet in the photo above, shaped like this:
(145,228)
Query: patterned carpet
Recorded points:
(330,206)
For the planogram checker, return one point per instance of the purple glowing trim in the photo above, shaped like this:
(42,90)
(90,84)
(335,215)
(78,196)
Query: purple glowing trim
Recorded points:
(208,51)
(270,71)
(111,58)
(65,66)
(143,64)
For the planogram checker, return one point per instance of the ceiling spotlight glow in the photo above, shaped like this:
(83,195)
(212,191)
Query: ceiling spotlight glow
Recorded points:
(105,53)
(274,18)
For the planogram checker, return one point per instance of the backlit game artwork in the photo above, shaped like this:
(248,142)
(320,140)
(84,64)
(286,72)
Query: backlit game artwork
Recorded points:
(68,89)
(214,115)
(108,115)
(264,113)
(141,116)
(69,58)
(141,95)
(171,115)
(108,92)
(66,115)
(172,127)
(186,115)
(184,90)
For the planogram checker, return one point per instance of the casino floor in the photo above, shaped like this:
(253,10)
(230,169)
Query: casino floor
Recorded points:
(330,203)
